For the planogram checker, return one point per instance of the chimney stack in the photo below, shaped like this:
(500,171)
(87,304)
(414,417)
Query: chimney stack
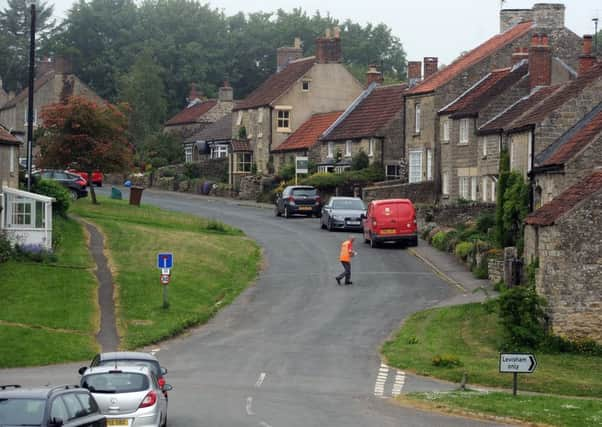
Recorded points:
(286,54)
(540,61)
(511,17)
(328,48)
(519,54)
(414,73)
(44,66)
(431,65)
(586,59)
(373,75)
(225,93)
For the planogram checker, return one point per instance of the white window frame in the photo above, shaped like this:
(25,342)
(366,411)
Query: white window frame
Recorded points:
(241,161)
(429,164)
(396,169)
(417,117)
(484,186)
(239,118)
(283,120)
(445,183)
(415,174)
(484,148)
(474,181)
(493,191)
(348,150)
(219,151)
(188,153)
(330,148)
(445,130)
(303,83)
(464,130)
(371,144)
(12,159)
(260,115)
(464,187)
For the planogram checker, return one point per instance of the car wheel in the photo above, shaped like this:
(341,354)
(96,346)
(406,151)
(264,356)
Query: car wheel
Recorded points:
(287,214)
(73,195)
(322,225)
(413,242)
(373,243)
(329,226)
(277,211)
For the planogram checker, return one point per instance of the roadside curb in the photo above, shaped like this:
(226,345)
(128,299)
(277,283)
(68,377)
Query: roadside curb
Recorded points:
(437,271)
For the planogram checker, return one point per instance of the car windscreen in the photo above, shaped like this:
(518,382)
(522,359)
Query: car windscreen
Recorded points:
(304,192)
(350,204)
(19,412)
(115,382)
(154,367)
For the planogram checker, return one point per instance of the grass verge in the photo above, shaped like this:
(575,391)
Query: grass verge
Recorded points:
(470,335)
(213,263)
(48,309)
(549,410)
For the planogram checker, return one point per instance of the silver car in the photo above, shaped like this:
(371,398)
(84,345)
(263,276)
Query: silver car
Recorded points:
(128,395)
(343,213)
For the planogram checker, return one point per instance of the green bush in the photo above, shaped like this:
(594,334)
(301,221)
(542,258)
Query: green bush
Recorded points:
(481,271)
(54,189)
(446,361)
(36,253)
(485,222)
(360,161)
(522,317)
(192,170)
(287,172)
(463,249)
(325,180)
(557,344)
(6,249)
(439,240)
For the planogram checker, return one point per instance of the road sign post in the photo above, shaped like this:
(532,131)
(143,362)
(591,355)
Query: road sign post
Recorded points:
(165,281)
(517,363)
(165,263)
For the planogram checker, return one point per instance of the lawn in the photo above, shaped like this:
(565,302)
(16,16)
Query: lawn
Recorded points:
(471,333)
(213,263)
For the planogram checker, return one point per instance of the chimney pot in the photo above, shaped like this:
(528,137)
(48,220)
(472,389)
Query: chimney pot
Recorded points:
(373,75)
(586,60)
(285,54)
(328,49)
(414,72)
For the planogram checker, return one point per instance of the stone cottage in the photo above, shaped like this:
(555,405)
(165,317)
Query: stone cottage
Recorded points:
(566,237)
(372,124)
(305,140)
(210,143)
(9,159)
(440,87)
(302,87)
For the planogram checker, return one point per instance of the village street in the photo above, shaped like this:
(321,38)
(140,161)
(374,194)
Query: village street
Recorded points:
(295,349)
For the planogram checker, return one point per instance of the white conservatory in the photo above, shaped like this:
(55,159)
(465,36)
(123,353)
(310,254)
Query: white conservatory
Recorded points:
(26,217)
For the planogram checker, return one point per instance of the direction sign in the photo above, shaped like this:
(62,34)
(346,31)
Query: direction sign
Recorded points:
(165,279)
(520,363)
(165,260)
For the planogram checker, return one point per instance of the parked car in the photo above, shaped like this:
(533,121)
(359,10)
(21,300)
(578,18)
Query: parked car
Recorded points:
(298,199)
(392,220)
(67,406)
(127,395)
(75,184)
(97,176)
(343,213)
(138,358)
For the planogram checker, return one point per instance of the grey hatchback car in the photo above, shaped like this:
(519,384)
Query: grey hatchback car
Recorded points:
(128,395)
(343,213)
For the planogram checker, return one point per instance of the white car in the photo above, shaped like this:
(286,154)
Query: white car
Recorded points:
(127,395)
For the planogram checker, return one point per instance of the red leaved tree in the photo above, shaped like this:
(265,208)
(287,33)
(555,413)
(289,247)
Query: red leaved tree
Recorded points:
(82,133)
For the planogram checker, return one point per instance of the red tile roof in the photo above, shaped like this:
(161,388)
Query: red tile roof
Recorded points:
(371,114)
(276,84)
(308,133)
(549,213)
(192,114)
(574,140)
(485,91)
(38,83)
(486,49)
(7,138)
(238,145)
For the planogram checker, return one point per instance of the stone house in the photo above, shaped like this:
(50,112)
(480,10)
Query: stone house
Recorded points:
(570,159)
(199,113)
(210,143)
(439,88)
(372,124)
(54,83)
(288,98)
(9,159)
(305,140)
(566,238)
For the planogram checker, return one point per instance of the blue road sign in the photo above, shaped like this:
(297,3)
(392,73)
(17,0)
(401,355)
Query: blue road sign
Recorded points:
(165,260)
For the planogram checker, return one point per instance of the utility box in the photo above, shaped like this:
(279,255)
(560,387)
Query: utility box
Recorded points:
(115,193)
(136,195)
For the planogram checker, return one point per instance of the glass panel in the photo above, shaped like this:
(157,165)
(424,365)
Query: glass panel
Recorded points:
(16,412)
(40,215)
(59,410)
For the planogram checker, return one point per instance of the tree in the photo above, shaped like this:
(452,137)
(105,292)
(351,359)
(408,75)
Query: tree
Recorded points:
(161,149)
(88,135)
(15,22)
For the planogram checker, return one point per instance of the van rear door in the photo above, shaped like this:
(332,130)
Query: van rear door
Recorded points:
(387,218)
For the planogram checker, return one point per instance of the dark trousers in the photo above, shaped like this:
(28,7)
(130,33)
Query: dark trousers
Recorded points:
(347,273)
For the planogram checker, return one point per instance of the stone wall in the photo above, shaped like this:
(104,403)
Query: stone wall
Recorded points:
(250,187)
(495,268)
(423,192)
(451,215)
(214,169)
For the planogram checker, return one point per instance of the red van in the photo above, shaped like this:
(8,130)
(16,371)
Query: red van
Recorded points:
(391,220)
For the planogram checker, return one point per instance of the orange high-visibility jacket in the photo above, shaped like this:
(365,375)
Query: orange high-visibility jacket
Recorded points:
(346,251)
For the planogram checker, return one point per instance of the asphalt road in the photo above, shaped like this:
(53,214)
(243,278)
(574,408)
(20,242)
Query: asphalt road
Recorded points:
(295,349)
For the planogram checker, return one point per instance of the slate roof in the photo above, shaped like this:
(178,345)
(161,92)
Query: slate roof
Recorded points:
(308,133)
(192,114)
(549,213)
(7,138)
(220,130)
(367,117)
(464,62)
(21,96)
(483,92)
(276,84)
(573,141)
(238,145)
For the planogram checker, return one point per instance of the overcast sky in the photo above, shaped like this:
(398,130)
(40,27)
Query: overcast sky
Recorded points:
(442,28)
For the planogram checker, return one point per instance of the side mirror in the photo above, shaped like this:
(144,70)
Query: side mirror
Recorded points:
(167,387)
(163,371)
(82,370)
(56,422)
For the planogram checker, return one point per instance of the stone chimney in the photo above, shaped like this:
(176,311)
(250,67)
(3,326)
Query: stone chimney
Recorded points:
(44,66)
(414,72)
(62,65)
(549,16)
(519,54)
(373,75)
(431,65)
(328,48)
(510,17)
(225,93)
(540,61)
(587,60)
(286,54)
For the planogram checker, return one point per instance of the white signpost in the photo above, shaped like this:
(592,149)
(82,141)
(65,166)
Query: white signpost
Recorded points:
(301,166)
(517,363)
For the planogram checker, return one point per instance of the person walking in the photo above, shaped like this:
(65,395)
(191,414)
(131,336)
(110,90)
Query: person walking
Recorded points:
(347,253)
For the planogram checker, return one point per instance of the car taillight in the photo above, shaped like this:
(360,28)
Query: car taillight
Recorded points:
(81,182)
(149,400)
(291,200)
(318,200)
(161,381)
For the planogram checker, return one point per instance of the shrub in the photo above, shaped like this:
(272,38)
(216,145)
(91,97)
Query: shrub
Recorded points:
(6,249)
(36,253)
(557,344)
(412,340)
(192,170)
(439,240)
(287,172)
(481,271)
(360,161)
(485,222)
(53,189)
(463,249)
(446,361)
(522,317)
(325,180)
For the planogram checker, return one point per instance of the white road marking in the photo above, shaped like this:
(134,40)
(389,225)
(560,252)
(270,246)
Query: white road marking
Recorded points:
(260,380)
(155,351)
(249,406)
(381,381)
(264,424)
(400,379)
